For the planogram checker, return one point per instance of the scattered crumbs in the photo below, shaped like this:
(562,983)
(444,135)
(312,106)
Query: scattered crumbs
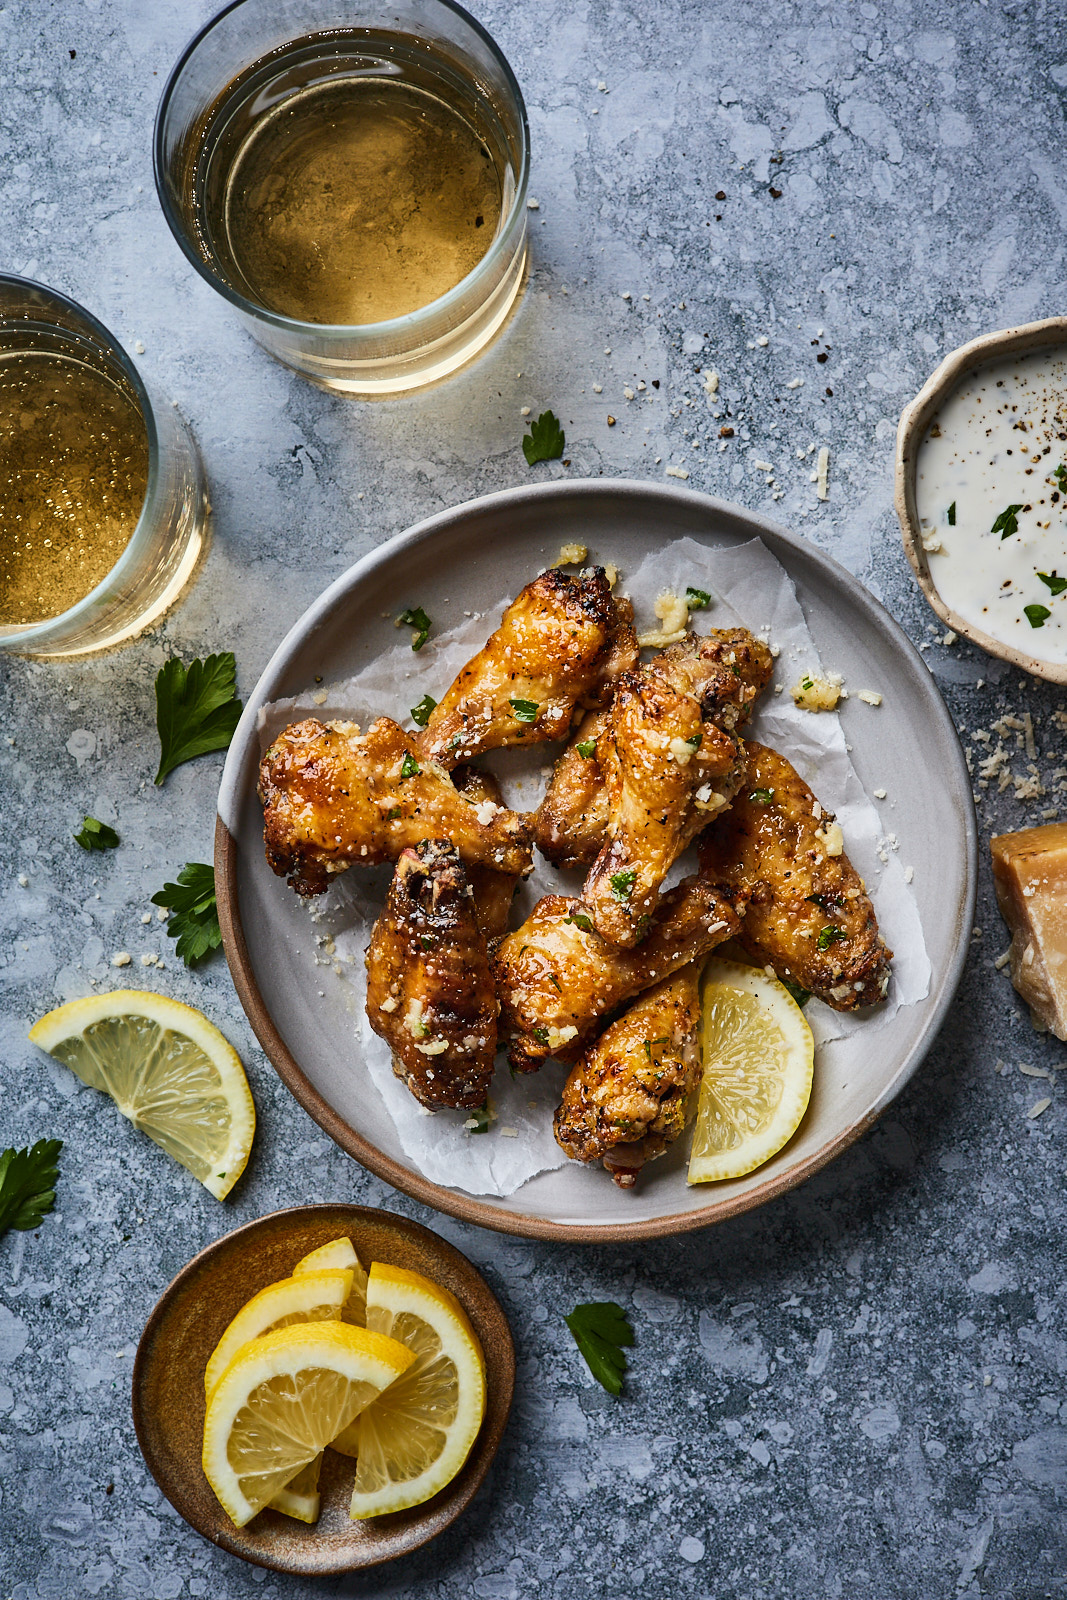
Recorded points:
(812,693)
(795,383)
(139,347)
(524,411)
(950,637)
(880,794)
(24,882)
(1041,1106)
(711,381)
(628,392)
(676,472)
(611,573)
(822,474)
(532,204)
(1002,960)
(1028,736)
(763,466)
(598,388)
(509,1133)
(1032,1072)
(763,341)
(320,697)
(775,650)
(121,958)
(932,544)
(148,959)
(572,555)
(909,874)
(163,913)
(870,697)
(146,916)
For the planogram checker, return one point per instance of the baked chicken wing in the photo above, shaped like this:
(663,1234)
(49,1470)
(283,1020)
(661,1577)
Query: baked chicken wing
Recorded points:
(556,977)
(634,1090)
(493,890)
(429,987)
(809,916)
(726,669)
(549,652)
(334,797)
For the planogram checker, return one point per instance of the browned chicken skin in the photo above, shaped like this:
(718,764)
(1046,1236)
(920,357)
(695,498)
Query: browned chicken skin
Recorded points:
(493,890)
(570,822)
(809,916)
(334,798)
(429,987)
(634,1090)
(521,688)
(556,977)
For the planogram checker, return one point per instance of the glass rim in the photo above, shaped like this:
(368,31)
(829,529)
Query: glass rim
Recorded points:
(19,632)
(396,326)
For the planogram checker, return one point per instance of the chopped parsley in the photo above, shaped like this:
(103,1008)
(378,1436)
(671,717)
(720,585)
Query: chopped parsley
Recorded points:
(197,709)
(829,936)
(415,617)
(1060,475)
(600,1331)
(1008,522)
(545,440)
(826,902)
(393,812)
(650,1044)
(420,714)
(801,996)
(194,913)
(540,1033)
(697,599)
(622,883)
(409,767)
(524,710)
(1036,616)
(952,515)
(478,1121)
(762,797)
(587,748)
(580,920)
(696,741)
(94,835)
(28,1184)
(1053,581)
(807,683)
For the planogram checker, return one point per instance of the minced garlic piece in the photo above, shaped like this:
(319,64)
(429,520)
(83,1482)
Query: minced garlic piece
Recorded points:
(485,811)
(557,1037)
(611,573)
(813,693)
(413,1021)
(389,1004)
(673,613)
(436,1048)
(572,555)
(870,697)
(831,838)
(682,751)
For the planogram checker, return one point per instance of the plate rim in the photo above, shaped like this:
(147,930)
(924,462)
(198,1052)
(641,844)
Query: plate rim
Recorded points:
(465,1207)
(483,1453)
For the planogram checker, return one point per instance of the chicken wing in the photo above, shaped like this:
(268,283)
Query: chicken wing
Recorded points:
(522,686)
(667,772)
(809,916)
(556,977)
(726,669)
(634,1090)
(429,987)
(493,890)
(570,823)
(333,797)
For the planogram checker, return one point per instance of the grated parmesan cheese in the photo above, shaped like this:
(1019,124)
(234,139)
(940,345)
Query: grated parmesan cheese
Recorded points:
(822,474)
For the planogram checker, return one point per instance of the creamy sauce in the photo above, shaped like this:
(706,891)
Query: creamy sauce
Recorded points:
(992,510)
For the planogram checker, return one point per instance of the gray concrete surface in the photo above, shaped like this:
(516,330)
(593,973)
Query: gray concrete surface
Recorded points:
(859,1390)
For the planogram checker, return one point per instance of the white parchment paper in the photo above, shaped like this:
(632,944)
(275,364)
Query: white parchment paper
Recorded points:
(749,587)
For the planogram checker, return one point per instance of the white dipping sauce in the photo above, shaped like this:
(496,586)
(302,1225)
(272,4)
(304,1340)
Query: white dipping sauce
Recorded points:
(995,444)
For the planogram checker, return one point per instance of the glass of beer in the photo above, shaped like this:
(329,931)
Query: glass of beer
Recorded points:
(352,178)
(102,501)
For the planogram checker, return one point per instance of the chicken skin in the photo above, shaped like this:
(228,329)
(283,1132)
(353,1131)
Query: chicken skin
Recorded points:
(556,977)
(493,891)
(549,652)
(666,773)
(429,987)
(333,798)
(726,669)
(634,1090)
(570,822)
(809,916)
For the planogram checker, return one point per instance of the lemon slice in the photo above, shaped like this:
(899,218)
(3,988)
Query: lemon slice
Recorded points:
(340,1253)
(414,1438)
(300,1498)
(758,1062)
(282,1398)
(168,1069)
(315,1297)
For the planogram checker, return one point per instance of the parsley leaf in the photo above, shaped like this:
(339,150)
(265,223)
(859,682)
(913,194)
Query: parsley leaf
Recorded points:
(545,441)
(478,1121)
(952,515)
(697,599)
(762,797)
(600,1329)
(194,919)
(1060,475)
(580,920)
(801,996)
(829,936)
(197,709)
(94,835)
(525,710)
(1053,581)
(622,883)
(1036,616)
(1007,523)
(587,748)
(409,767)
(415,617)
(420,714)
(28,1184)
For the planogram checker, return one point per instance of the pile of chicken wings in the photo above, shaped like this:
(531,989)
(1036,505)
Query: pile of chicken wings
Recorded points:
(607,980)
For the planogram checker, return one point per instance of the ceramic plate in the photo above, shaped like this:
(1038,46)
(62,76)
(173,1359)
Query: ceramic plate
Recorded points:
(186,1325)
(491,547)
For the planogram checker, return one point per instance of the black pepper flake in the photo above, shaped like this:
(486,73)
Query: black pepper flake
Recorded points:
(830,392)
(655,383)
(720,194)
(73,54)
(110,1489)
(776,194)
(823,355)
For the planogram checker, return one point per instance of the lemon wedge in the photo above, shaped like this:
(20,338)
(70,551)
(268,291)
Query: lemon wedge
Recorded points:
(282,1398)
(758,1063)
(340,1253)
(300,1498)
(314,1297)
(413,1439)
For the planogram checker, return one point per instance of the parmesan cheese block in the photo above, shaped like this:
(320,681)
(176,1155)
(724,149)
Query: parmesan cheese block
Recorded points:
(1030,874)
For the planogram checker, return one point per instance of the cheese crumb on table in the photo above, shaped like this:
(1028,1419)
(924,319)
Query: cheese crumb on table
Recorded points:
(1030,877)
(822,474)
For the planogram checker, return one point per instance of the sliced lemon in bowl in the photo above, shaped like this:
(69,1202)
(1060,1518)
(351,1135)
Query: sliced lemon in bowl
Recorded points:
(313,1297)
(282,1398)
(168,1069)
(413,1439)
(759,1058)
(300,1498)
(340,1253)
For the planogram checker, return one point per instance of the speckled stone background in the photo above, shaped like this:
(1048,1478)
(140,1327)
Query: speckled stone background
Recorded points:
(859,1390)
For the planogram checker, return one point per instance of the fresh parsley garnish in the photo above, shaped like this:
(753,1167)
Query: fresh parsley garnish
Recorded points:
(1036,616)
(952,515)
(409,767)
(525,710)
(697,599)
(28,1184)
(587,748)
(650,1044)
(761,797)
(829,936)
(580,920)
(801,996)
(696,741)
(194,914)
(478,1121)
(415,617)
(1053,581)
(622,883)
(393,812)
(825,902)
(545,441)
(1008,522)
(420,714)
(197,709)
(95,835)
(807,683)
(600,1329)
(1060,475)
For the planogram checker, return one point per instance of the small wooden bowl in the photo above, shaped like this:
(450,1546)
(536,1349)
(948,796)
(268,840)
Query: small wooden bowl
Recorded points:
(168,1387)
(914,421)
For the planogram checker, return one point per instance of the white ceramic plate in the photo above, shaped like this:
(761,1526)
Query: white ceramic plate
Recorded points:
(478,552)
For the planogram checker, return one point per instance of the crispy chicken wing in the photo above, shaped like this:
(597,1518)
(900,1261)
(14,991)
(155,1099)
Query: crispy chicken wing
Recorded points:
(726,669)
(570,822)
(556,977)
(493,890)
(333,797)
(622,656)
(634,1090)
(667,772)
(809,916)
(521,688)
(429,987)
